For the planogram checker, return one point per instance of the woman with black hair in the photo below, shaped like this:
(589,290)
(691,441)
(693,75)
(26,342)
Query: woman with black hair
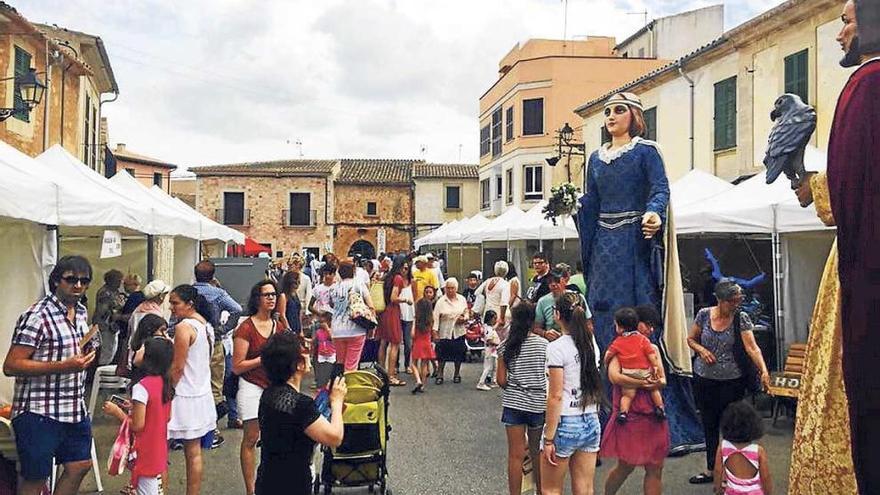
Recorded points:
(572,430)
(193,416)
(390,331)
(247,345)
(290,423)
(515,284)
(290,306)
(522,376)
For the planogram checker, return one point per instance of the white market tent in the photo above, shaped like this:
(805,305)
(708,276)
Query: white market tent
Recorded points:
(696,186)
(800,242)
(435,235)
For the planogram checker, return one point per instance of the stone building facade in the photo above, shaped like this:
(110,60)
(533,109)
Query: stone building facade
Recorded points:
(285,205)
(443,193)
(375,211)
(343,206)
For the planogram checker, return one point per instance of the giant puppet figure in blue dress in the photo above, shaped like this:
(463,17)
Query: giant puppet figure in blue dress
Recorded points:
(629,253)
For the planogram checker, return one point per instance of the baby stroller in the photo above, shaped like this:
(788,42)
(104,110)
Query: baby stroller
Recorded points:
(473,339)
(361,460)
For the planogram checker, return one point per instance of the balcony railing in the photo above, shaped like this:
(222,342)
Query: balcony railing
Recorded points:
(297,218)
(240,218)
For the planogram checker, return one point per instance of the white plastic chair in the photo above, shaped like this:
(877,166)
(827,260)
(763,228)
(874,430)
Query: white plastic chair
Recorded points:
(105,379)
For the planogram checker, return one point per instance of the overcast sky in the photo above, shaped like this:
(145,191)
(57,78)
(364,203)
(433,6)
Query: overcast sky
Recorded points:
(224,81)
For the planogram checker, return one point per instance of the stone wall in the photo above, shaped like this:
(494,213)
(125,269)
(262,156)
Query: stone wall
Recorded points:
(266,198)
(394,212)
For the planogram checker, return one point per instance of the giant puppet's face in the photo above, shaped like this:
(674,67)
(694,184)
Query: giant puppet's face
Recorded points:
(848,36)
(618,119)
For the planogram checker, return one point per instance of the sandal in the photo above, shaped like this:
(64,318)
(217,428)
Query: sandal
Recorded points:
(439,380)
(456,379)
(395,382)
(700,479)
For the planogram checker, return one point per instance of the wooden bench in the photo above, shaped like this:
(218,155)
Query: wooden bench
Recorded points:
(785,385)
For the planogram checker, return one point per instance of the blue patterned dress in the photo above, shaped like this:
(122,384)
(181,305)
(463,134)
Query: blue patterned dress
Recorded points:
(619,188)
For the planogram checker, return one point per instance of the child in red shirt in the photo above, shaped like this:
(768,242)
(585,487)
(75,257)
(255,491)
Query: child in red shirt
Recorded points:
(637,358)
(150,410)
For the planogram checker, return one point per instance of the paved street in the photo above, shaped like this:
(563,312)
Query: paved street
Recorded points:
(446,441)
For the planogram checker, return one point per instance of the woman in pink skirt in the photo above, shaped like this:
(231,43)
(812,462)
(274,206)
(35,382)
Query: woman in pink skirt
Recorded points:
(641,441)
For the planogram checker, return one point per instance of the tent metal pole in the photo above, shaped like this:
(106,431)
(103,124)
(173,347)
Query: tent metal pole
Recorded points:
(778,312)
(150,253)
(461,269)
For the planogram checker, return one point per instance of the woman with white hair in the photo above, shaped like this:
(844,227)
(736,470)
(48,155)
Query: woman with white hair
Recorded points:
(450,314)
(497,291)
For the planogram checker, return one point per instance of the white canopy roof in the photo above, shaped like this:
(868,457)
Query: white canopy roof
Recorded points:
(535,226)
(434,234)
(499,229)
(696,186)
(209,228)
(76,201)
(176,223)
(465,228)
(753,207)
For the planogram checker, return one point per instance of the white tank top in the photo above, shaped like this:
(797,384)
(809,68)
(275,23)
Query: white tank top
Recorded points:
(196,379)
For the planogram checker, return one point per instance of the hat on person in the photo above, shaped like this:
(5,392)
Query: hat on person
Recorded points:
(420,259)
(156,288)
(630,99)
(429,256)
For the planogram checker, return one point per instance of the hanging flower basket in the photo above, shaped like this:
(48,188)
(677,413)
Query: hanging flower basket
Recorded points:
(563,201)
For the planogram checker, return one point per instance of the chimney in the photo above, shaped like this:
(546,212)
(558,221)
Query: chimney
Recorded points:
(120,147)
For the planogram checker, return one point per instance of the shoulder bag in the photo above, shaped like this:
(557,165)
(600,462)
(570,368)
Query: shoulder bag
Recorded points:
(377,294)
(359,312)
(119,453)
(750,374)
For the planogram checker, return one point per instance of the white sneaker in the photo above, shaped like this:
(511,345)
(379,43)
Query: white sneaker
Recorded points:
(483,386)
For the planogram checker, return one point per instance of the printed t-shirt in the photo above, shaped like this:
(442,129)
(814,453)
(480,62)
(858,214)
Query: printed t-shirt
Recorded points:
(562,353)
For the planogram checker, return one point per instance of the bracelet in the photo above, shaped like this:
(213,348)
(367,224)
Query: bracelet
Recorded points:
(549,441)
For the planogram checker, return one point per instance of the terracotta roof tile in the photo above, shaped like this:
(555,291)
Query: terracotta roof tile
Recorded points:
(446,171)
(127,155)
(376,171)
(305,168)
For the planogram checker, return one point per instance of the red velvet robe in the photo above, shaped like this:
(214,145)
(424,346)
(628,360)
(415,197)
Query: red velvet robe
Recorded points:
(854,186)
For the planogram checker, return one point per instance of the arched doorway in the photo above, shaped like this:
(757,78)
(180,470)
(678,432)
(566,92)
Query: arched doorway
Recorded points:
(362,248)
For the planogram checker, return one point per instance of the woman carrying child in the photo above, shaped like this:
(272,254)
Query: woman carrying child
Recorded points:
(150,410)
(638,359)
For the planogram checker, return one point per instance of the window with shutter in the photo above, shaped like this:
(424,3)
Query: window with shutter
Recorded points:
(509,196)
(496,132)
(233,208)
(371,209)
(453,197)
(22,66)
(87,144)
(157,179)
(725,114)
(533,117)
(797,75)
(484,140)
(509,124)
(651,123)
(484,194)
(300,209)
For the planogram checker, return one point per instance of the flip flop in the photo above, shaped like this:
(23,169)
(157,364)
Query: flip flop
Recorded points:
(394,382)
(700,479)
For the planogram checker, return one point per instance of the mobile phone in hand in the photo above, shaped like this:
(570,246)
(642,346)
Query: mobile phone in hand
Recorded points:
(119,400)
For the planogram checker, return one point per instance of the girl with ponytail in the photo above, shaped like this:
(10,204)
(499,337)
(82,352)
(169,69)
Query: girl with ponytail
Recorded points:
(572,431)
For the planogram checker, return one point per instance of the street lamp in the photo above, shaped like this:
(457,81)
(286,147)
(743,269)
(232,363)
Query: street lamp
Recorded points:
(31,90)
(565,138)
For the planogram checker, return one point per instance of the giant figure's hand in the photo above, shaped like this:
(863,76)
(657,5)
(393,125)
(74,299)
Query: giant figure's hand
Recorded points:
(650,224)
(804,192)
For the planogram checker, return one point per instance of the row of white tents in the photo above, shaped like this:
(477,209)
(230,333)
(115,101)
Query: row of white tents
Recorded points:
(702,204)
(54,205)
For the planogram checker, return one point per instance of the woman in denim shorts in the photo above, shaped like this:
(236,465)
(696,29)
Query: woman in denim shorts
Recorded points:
(571,432)
(521,372)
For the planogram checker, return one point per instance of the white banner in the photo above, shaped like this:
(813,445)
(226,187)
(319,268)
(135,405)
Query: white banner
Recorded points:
(380,240)
(111,246)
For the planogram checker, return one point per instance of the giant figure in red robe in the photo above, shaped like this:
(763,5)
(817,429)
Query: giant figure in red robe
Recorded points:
(854,187)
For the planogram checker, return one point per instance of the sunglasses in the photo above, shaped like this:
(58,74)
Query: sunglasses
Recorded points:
(618,110)
(73,280)
(269,294)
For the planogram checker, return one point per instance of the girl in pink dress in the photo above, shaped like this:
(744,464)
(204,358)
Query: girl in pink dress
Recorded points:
(422,347)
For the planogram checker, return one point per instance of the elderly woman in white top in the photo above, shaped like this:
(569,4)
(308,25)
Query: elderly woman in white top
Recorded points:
(450,314)
(497,292)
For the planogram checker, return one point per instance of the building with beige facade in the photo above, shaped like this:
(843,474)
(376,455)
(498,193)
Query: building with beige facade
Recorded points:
(348,206)
(147,170)
(443,193)
(539,83)
(712,106)
(77,72)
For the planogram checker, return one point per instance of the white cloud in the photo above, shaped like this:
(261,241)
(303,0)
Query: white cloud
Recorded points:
(218,81)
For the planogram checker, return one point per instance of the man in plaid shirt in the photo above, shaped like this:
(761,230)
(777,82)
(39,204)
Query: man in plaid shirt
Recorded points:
(48,359)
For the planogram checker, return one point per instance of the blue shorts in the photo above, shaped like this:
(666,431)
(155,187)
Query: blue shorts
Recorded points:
(516,417)
(581,432)
(40,439)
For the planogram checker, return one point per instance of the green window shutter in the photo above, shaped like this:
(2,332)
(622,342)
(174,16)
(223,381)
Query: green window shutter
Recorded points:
(651,124)
(22,66)
(797,74)
(725,114)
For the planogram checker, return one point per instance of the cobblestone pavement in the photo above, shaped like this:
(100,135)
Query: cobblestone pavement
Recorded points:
(446,441)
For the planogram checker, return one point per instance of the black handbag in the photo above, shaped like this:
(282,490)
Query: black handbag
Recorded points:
(750,375)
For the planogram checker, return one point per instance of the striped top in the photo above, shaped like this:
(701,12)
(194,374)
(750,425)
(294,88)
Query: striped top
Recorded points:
(527,376)
(737,485)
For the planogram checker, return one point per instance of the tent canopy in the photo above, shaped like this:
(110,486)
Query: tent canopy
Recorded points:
(752,207)
(176,223)
(696,186)
(210,229)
